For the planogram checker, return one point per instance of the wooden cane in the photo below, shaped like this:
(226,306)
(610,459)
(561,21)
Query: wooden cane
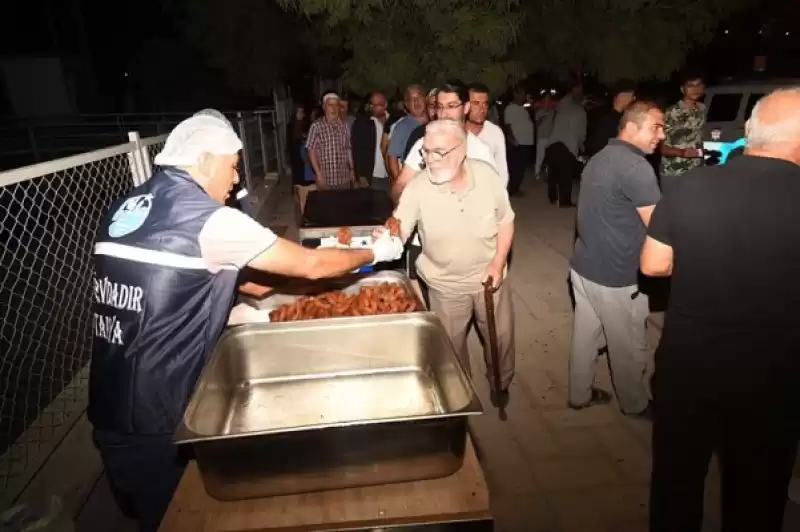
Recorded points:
(488,293)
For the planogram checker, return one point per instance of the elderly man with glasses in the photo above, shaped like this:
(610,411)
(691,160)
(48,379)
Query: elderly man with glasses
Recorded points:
(466,225)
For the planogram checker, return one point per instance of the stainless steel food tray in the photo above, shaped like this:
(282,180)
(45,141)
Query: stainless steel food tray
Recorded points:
(305,233)
(316,405)
(349,284)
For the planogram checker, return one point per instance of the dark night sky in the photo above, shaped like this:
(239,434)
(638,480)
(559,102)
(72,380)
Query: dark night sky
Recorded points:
(115,31)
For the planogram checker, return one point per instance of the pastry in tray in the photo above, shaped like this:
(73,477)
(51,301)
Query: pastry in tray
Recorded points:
(371,300)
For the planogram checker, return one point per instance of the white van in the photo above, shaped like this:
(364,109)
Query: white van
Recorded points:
(730,105)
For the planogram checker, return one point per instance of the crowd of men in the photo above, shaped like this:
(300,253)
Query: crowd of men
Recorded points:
(727,368)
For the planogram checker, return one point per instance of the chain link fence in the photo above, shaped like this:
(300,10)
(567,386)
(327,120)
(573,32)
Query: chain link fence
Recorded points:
(49,214)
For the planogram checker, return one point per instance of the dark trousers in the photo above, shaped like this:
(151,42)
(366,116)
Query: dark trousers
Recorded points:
(562,168)
(143,472)
(756,441)
(519,157)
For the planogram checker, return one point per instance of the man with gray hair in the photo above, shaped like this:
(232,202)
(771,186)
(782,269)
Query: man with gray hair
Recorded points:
(166,262)
(728,366)
(414,100)
(466,225)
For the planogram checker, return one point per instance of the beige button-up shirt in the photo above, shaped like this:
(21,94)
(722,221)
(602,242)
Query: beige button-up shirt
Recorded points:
(458,229)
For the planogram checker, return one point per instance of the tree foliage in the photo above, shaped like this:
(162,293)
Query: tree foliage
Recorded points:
(618,38)
(387,44)
(393,43)
(252,41)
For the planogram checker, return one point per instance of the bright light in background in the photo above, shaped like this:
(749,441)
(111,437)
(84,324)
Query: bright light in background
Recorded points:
(726,32)
(787,33)
(126,74)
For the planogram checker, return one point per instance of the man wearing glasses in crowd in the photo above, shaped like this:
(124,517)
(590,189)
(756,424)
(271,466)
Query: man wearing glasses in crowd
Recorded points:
(452,103)
(461,209)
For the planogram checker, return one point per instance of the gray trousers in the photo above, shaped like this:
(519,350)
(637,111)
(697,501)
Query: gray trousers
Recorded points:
(607,316)
(456,312)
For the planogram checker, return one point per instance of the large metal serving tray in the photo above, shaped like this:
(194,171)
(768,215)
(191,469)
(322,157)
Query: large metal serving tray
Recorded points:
(350,284)
(313,233)
(305,406)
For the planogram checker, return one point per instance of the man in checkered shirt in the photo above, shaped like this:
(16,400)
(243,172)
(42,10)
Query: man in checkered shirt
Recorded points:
(329,148)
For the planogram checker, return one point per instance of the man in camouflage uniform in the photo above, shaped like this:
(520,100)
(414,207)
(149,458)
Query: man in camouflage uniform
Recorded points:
(683,148)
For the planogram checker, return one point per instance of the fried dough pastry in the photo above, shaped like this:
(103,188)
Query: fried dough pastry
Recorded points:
(393,225)
(344,236)
(383,298)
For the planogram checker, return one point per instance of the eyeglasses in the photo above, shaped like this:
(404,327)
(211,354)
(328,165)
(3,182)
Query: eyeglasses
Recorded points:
(452,105)
(435,156)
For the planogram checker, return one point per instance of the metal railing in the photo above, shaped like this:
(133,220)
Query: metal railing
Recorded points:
(49,214)
(24,142)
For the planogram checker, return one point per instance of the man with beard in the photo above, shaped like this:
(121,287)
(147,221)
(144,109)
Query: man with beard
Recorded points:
(466,224)
(489,133)
(452,103)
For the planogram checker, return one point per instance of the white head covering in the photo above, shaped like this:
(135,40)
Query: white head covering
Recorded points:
(208,111)
(195,136)
(330,96)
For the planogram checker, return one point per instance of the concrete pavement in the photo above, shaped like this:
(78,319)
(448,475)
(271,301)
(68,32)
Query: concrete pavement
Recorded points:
(550,469)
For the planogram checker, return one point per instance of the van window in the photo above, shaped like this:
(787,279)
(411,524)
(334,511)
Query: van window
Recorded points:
(751,102)
(724,107)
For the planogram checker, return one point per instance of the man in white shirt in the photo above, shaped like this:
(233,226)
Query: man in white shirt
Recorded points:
(366,144)
(452,102)
(520,139)
(478,124)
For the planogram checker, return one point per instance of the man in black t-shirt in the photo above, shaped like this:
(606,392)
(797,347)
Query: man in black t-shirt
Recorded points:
(728,366)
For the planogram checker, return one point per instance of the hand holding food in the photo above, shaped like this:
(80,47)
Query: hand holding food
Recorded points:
(393,225)
(386,248)
(344,236)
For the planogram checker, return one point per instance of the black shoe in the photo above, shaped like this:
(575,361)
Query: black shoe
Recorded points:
(568,205)
(500,400)
(599,397)
(552,201)
(647,413)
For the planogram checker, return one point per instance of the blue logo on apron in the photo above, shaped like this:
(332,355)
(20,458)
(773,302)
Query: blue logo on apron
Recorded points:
(130,216)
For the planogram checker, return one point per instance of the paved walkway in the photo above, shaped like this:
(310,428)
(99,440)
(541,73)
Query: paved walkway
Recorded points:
(550,469)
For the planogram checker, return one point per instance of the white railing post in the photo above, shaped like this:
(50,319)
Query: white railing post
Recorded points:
(138,159)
